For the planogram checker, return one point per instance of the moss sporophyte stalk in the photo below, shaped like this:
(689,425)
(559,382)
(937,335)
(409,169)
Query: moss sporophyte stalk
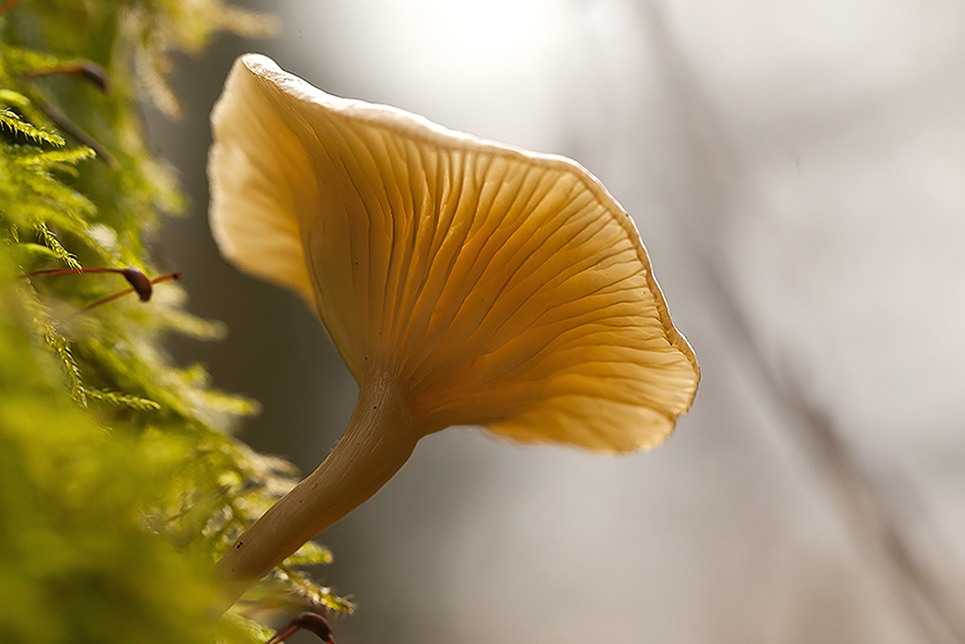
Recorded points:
(464,282)
(140,283)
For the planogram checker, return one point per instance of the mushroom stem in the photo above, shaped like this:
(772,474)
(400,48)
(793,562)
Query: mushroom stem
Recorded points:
(381,436)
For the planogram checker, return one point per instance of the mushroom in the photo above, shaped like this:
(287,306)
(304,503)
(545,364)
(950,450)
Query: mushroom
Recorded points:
(464,282)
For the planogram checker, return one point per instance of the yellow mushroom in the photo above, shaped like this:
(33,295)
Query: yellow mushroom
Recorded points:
(464,282)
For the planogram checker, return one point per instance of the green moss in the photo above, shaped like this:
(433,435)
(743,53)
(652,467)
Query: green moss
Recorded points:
(119,481)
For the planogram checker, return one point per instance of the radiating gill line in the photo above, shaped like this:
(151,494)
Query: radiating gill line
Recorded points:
(376,225)
(359,267)
(490,226)
(546,231)
(418,374)
(447,210)
(418,189)
(410,332)
(437,324)
(652,394)
(605,324)
(494,241)
(601,288)
(396,215)
(465,356)
(392,203)
(600,331)
(453,241)
(486,258)
(459,354)
(579,311)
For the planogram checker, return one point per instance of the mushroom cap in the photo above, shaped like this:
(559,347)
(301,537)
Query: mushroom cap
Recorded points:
(496,286)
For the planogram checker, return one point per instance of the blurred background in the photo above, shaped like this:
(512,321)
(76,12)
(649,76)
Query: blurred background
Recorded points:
(797,171)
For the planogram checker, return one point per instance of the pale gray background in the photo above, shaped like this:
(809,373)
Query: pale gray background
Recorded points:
(797,171)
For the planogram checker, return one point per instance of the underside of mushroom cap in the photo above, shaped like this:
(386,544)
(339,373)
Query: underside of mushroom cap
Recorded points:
(498,287)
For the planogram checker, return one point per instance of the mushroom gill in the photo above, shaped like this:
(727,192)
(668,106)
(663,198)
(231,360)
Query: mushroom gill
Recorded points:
(464,282)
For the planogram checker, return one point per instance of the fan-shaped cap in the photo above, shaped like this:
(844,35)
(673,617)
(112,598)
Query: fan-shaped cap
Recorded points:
(497,287)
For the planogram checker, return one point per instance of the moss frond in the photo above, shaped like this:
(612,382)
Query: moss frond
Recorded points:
(119,480)
(12,122)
